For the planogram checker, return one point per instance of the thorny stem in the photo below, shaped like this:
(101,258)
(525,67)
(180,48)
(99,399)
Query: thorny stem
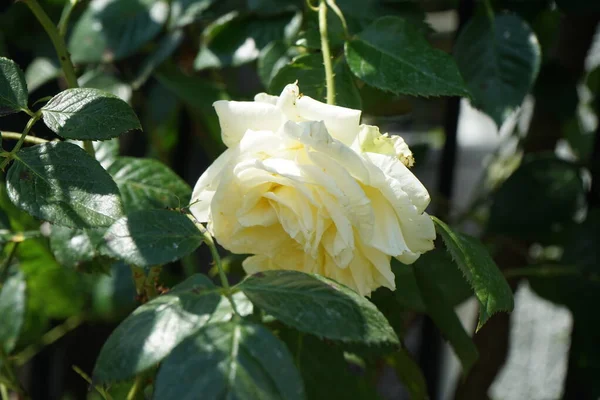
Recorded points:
(61,50)
(326,52)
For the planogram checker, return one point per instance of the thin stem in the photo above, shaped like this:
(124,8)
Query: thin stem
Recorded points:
(64,18)
(49,337)
(27,139)
(6,263)
(326,53)
(17,147)
(57,41)
(103,393)
(4,392)
(217,259)
(61,50)
(135,390)
(340,15)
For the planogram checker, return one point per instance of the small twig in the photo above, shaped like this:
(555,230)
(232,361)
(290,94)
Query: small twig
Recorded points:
(27,139)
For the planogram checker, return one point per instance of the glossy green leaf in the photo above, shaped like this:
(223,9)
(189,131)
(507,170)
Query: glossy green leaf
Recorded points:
(13,89)
(59,182)
(309,71)
(89,114)
(443,315)
(71,247)
(12,308)
(230,360)
(151,237)
(239,40)
(392,54)
(40,71)
(146,183)
(110,30)
(480,270)
(499,61)
(154,329)
(320,306)
(543,193)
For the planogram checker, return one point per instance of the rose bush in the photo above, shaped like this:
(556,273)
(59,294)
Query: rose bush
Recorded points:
(303,186)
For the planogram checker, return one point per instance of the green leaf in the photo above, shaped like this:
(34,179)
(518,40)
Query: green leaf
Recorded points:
(410,374)
(443,315)
(185,12)
(12,309)
(499,61)
(439,266)
(59,182)
(110,30)
(234,41)
(40,71)
(325,372)
(107,151)
(482,273)
(271,59)
(164,49)
(107,82)
(542,194)
(320,306)
(392,54)
(89,114)
(146,183)
(231,360)
(13,89)
(309,71)
(154,329)
(71,247)
(151,237)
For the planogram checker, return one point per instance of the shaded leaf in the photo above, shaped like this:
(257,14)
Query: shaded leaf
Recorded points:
(543,193)
(184,12)
(13,89)
(12,309)
(443,315)
(71,247)
(391,54)
(482,273)
(499,61)
(40,71)
(164,50)
(89,114)
(236,359)
(107,82)
(59,182)
(151,237)
(110,30)
(155,328)
(309,71)
(271,59)
(234,41)
(320,306)
(146,183)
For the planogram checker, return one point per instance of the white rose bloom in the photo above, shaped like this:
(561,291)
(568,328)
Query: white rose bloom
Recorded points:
(302,186)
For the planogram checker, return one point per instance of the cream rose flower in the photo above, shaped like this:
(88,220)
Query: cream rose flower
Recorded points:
(302,186)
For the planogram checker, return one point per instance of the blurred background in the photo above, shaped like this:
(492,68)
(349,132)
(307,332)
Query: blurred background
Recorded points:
(548,348)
